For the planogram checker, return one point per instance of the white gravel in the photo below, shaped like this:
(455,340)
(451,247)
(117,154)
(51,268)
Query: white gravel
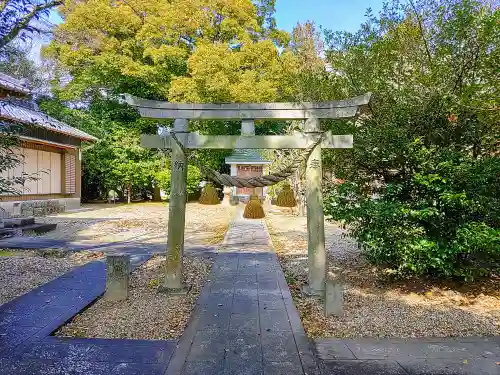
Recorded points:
(144,222)
(22,271)
(146,314)
(374,307)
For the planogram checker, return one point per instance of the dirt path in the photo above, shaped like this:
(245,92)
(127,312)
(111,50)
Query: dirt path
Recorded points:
(140,222)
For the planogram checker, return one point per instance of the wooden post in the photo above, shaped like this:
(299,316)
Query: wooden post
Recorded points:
(173,282)
(315,216)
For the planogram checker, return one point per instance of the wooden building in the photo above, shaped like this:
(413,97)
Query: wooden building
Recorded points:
(49,148)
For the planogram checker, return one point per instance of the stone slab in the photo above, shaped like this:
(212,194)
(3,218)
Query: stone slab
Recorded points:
(366,367)
(451,367)
(333,350)
(452,349)
(384,350)
(274,321)
(18,222)
(129,351)
(203,368)
(427,356)
(138,369)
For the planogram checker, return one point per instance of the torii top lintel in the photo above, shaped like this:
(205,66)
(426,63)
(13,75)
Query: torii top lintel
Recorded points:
(257,111)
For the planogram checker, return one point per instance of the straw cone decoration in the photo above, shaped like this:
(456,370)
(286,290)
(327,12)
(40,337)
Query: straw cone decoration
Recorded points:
(209,195)
(286,197)
(253,209)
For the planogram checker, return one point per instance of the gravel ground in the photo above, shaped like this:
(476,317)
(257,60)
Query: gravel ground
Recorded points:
(146,314)
(144,222)
(22,271)
(374,307)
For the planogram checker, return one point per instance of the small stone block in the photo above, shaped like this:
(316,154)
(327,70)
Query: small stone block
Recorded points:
(308,291)
(174,291)
(117,277)
(334,297)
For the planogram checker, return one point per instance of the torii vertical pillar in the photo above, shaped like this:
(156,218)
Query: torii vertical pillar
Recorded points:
(173,282)
(317,261)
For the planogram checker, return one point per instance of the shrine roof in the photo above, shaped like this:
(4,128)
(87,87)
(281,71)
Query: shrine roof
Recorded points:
(28,113)
(12,84)
(246,157)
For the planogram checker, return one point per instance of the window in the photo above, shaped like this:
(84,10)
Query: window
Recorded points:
(70,174)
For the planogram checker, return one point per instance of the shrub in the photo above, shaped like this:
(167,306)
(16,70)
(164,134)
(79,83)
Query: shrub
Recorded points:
(194,178)
(441,220)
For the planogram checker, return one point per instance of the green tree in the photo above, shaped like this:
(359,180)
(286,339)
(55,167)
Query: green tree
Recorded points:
(116,161)
(139,46)
(194,178)
(429,145)
(176,51)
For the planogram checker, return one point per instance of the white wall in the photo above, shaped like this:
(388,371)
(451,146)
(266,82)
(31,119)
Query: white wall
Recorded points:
(48,165)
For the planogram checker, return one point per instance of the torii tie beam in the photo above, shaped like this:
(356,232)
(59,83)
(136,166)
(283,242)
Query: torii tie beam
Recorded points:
(247,113)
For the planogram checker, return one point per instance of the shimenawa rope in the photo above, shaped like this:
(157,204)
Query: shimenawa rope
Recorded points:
(253,182)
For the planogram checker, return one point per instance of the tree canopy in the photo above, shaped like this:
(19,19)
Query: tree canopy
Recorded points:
(140,47)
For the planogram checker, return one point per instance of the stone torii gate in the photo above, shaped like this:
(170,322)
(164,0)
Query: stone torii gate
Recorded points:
(247,113)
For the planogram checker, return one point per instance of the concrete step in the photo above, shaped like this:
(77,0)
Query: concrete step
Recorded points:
(18,222)
(38,228)
(7,232)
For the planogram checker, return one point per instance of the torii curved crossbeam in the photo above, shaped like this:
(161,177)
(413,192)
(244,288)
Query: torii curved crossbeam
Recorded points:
(255,111)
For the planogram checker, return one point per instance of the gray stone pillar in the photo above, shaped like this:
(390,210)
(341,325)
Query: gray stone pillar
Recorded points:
(247,127)
(315,216)
(334,296)
(173,282)
(117,277)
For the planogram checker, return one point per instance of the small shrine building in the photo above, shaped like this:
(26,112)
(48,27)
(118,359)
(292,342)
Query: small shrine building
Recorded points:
(247,163)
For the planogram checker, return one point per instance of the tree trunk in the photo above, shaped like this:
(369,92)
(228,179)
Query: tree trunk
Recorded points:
(129,193)
(156,194)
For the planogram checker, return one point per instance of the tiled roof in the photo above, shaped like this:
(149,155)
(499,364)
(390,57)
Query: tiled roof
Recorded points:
(246,157)
(19,113)
(12,84)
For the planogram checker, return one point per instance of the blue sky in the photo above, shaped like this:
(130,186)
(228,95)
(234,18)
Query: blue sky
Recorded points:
(331,14)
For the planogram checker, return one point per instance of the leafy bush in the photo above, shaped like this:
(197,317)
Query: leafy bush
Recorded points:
(423,190)
(443,219)
(194,178)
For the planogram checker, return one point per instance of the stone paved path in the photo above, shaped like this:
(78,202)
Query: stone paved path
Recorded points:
(245,321)
(436,356)
(27,322)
